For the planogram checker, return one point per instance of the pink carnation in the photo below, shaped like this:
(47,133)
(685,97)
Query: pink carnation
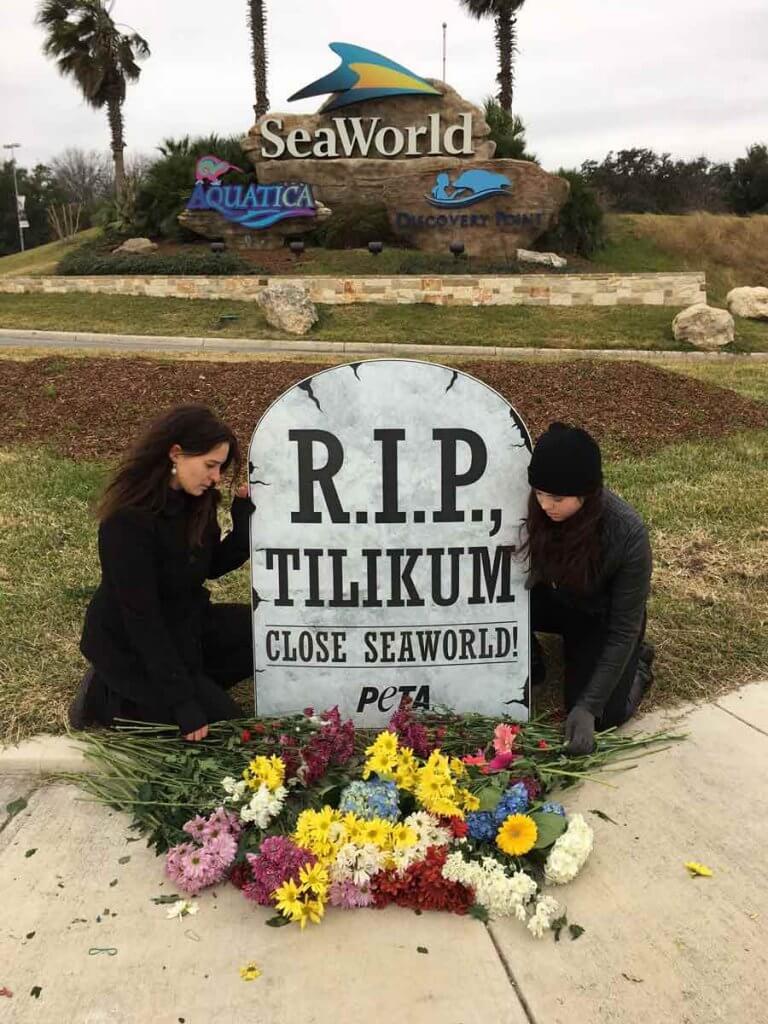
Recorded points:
(348,895)
(504,737)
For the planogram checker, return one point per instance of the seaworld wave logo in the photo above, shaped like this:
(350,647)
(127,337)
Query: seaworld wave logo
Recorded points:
(364,75)
(251,206)
(470,187)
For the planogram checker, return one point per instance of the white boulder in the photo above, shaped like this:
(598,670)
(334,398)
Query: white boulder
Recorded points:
(748,302)
(547,259)
(703,326)
(136,246)
(289,308)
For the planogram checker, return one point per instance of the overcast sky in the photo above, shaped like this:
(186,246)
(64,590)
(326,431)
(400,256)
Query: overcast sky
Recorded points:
(685,76)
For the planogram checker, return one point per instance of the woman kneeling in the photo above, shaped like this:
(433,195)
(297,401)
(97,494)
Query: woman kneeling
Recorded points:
(590,572)
(160,651)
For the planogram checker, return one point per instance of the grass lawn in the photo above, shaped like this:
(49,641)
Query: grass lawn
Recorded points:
(708,610)
(632,327)
(43,258)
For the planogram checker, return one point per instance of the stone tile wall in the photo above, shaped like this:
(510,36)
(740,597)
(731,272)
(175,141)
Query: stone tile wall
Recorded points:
(681,289)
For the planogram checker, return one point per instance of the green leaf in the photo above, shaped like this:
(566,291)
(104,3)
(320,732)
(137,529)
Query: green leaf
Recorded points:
(549,826)
(144,792)
(15,806)
(36,990)
(604,816)
(278,921)
(478,911)
(576,930)
(489,797)
(29,853)
(557,926)
(422,949)
(123,860)
(171,898)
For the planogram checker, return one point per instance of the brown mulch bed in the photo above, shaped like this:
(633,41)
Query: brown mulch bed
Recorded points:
(94,407)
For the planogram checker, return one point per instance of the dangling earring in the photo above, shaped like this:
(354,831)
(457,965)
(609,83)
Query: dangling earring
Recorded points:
(173,469)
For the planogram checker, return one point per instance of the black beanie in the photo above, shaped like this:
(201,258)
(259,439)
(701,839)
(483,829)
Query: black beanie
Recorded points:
(566,462)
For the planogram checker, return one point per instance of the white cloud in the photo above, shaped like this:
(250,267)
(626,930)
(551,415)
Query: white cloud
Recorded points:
(687,77)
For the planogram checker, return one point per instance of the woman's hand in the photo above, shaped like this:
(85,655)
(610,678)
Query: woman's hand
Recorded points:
(242,491)
(198,734)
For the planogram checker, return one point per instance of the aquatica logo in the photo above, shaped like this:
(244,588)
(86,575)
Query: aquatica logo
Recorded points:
(364,75)
(250,206)
(469,187)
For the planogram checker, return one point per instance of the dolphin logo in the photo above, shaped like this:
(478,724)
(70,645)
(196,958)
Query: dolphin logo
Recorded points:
(364,75)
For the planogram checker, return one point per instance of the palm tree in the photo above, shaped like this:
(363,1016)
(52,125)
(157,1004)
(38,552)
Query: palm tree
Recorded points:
(88,46)
(504,13)
(257,21)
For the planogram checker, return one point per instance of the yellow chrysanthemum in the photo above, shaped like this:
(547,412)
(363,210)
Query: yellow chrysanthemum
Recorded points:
(380,762)
(267,770)
(439,763)
(458,768)
(517,835)
(376,831)
(287,899)
(310,911)
(251,971)
(385,743)
(468,800)
(445,808)
(314,879)
(403,836)
(405,778)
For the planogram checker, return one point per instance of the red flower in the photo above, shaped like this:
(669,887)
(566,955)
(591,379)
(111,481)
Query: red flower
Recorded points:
(259,727)
(458,827)
(245,736)
(309,712)
(543,745)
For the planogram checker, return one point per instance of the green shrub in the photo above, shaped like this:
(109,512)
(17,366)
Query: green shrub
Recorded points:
(580,227)
(507,131)
(97,258)
(353,227)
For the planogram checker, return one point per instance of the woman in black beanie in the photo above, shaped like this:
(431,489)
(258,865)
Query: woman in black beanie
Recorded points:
(590,573)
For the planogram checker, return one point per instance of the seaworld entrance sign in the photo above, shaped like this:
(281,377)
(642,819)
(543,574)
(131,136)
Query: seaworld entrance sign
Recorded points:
(350,137)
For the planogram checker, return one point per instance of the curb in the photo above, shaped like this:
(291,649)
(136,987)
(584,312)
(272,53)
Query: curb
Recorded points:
(44,755)
(10,338)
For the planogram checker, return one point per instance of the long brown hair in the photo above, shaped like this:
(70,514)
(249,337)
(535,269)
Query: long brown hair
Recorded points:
(566,553)
(142,479)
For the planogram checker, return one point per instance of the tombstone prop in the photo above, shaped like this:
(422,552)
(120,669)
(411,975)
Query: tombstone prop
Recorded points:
(389,497)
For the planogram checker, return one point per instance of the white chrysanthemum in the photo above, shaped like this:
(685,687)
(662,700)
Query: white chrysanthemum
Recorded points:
(547,909)
(570,852)
(235,790)
(501,895)
(357,864)
(182,908)
(264,805)
(429,831)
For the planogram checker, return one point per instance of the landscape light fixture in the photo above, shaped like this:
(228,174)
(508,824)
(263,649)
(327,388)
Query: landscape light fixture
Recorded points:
(374,248)
(218,247)
(457,248)
(296,245)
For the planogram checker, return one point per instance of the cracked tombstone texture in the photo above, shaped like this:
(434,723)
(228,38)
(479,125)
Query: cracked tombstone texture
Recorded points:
(389,495)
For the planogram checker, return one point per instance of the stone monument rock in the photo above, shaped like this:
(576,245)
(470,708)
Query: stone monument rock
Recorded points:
(427,158)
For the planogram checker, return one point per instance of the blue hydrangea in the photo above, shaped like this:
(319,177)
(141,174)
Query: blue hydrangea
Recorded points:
(374,799)
(481,826)
(553,808)
(514,801)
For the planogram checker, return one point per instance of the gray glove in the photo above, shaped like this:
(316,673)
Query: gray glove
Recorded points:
(579,732)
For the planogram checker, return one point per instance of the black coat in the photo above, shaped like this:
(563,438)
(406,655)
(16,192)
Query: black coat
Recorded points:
(618,597)
(143,625)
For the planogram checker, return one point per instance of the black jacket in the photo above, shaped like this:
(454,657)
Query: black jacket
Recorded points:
(617,598)
(142,627)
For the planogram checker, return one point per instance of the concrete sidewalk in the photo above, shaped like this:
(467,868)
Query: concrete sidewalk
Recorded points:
(89,341)
(659,947)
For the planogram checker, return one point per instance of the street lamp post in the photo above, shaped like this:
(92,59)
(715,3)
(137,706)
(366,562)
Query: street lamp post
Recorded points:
(12,146)
(445,31)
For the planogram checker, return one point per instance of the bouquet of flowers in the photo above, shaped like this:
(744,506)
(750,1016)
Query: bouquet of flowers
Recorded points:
(437,812)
